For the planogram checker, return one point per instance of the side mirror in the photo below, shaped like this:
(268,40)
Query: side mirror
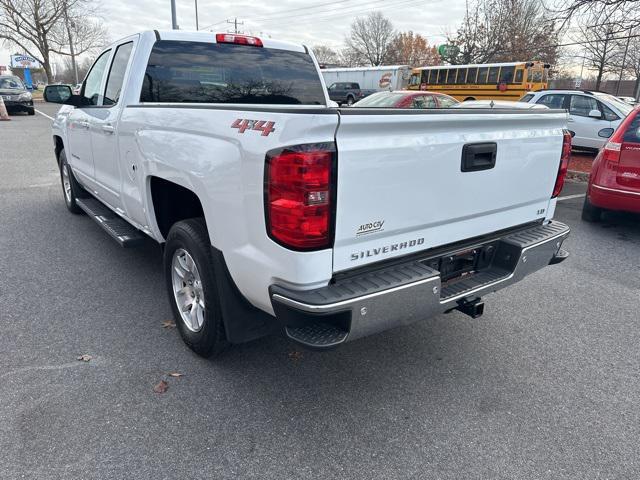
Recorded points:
(595,114)
(605,132)
(57,93)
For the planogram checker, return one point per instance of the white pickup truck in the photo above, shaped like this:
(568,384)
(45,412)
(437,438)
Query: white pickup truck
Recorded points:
(280,213)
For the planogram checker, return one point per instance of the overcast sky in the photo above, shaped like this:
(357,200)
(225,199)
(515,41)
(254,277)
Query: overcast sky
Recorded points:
(312,22)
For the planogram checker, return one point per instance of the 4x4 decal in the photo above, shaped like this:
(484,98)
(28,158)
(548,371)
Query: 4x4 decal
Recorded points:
(263,126)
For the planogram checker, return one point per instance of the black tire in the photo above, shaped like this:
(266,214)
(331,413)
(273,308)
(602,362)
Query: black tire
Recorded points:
(192,236)
(76,191)
(31,111)
(591,213)
(469,98)
(350,100)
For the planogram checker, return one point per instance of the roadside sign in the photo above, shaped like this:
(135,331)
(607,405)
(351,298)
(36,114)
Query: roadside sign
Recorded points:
(578,82)
(448,50)
(24,61)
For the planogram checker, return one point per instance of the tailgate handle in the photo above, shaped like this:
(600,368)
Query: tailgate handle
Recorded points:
(478,156)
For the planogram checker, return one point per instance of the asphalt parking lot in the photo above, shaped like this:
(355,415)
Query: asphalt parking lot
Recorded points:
(545,385)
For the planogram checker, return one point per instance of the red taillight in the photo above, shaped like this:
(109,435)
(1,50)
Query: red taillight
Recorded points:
(564,164)
(299,196)
(238,39)
(611,152)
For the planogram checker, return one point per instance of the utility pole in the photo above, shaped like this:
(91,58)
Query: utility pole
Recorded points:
(235,24)
(74,64)
(174,21)
(624,59)
(197,15)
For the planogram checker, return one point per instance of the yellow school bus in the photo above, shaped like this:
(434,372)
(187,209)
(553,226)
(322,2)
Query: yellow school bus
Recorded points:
(491,81)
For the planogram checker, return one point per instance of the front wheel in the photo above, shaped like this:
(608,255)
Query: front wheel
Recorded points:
(350,101)
(591,213)
(31,111)
(191,283)
(71,189)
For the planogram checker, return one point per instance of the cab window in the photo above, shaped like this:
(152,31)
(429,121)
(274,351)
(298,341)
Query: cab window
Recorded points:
(446,102)
(91,89)
(519,75)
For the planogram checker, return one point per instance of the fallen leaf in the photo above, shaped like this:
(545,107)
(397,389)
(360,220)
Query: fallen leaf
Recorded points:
(296,355)
(161,387)
(175,374)
(168,324)
(84,358)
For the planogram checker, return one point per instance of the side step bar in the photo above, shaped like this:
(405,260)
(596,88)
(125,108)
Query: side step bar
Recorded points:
(118,228)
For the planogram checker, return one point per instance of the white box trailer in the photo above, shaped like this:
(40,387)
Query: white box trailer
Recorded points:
(388,77)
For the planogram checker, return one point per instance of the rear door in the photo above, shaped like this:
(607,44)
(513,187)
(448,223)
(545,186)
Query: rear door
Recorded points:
(104,130)
(628,174)
(402,188)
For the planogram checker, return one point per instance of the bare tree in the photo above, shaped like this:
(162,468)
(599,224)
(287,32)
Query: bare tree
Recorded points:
(80,32)
(504,30)
(603,11)
(601,48)
(370,37)
(408,48)
(326,55)
(28,24)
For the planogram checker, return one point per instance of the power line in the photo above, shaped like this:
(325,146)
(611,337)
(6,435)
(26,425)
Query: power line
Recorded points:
(235,24)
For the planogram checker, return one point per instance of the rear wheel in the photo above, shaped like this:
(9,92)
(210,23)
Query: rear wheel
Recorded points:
(191,283)
(591,213)
(350,100)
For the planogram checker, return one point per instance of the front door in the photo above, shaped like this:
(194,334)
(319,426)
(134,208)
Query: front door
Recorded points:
(80,154)
(586,128)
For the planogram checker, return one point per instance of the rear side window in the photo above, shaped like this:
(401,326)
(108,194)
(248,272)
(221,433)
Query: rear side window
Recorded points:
(116,75)
(194,72)
(632,135)
(526,98)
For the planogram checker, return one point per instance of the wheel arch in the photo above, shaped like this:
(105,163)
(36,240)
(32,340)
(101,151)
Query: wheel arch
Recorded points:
(171,203)
(58,146)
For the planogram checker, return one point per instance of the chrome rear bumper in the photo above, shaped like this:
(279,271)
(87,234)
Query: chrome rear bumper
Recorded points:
(404,293)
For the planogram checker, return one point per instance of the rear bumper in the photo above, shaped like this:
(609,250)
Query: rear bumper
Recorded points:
(404,293)
(614,198)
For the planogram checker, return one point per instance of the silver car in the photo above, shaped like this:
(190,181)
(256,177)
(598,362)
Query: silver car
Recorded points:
(593,116)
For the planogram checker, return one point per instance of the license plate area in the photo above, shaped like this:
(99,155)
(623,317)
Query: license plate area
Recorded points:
(460,264)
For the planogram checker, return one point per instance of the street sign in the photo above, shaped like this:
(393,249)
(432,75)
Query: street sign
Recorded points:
(578,83)
(24,61)
(448,50)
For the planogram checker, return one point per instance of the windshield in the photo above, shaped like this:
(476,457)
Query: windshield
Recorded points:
(621,106)
(11,83)
(380,99)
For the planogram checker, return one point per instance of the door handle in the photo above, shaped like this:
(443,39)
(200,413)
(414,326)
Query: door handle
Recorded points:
(84,125)
(478,156)
(108,129)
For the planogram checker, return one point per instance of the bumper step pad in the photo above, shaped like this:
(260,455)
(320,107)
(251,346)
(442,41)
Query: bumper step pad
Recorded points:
(317,335)
(118,228)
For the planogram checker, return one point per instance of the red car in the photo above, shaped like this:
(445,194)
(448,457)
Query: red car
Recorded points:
(407,99)
(614,183)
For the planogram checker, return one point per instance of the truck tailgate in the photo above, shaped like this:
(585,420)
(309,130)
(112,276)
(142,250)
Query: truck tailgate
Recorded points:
(402,188)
